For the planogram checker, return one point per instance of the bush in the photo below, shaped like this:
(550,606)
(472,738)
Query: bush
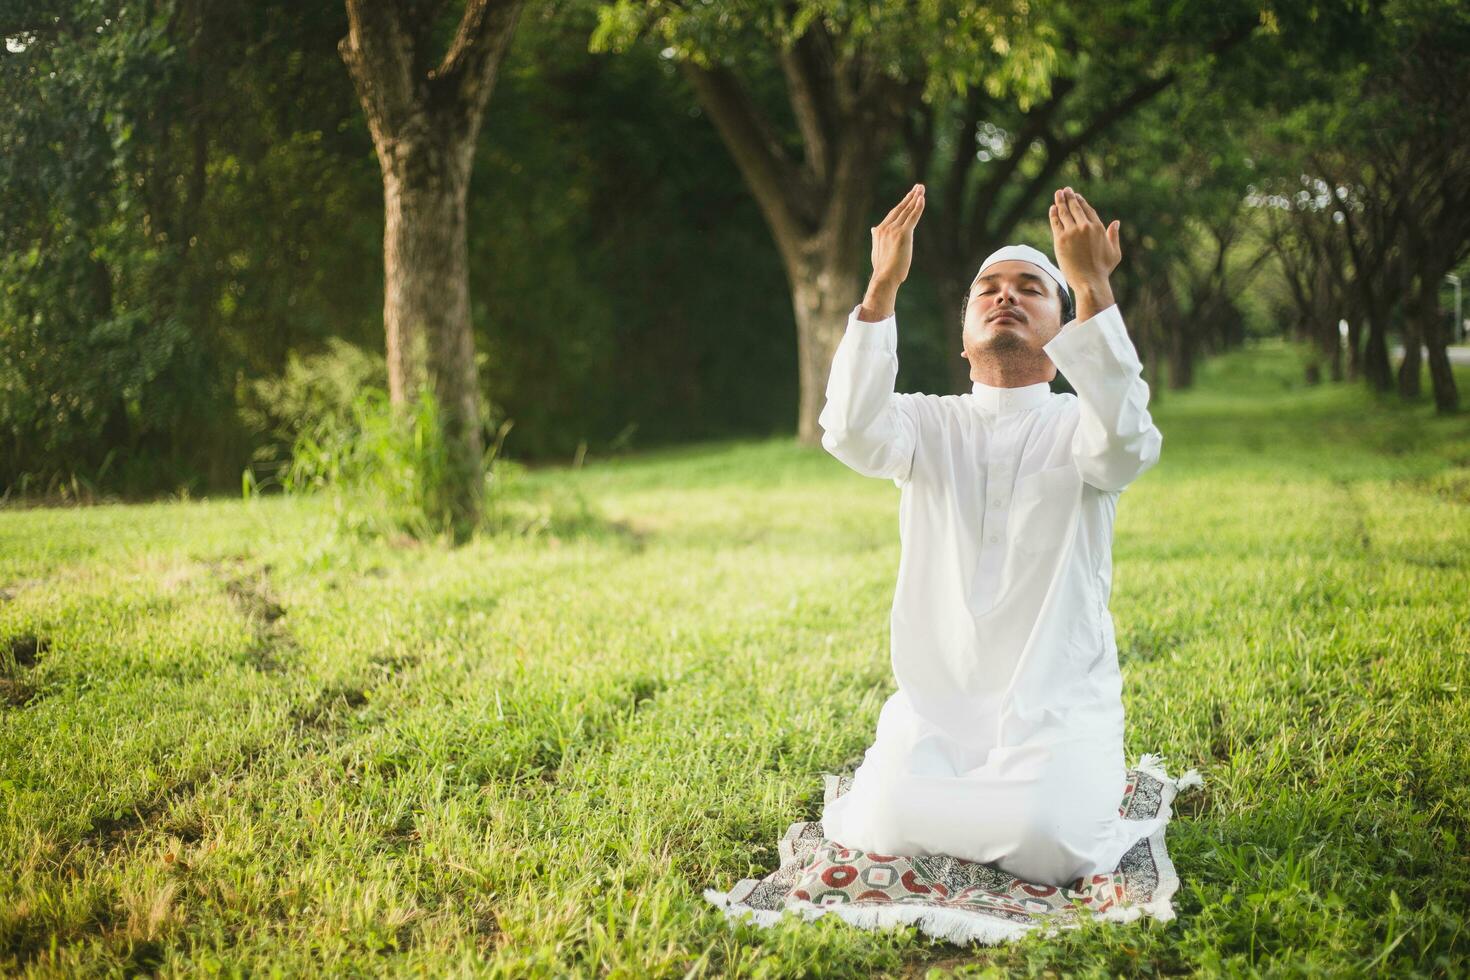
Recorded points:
(378,466)
(315,393)
(333,431)
(385,472)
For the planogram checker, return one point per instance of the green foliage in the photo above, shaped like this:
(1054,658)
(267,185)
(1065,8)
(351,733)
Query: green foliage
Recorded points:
(97,363)
(154,185)
(204,176)
(332,430)
(623,282)
(319,390)
(188,194)
(944,45)
(384,470)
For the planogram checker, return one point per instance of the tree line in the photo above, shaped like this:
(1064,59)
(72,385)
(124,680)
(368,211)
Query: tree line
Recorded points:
(645,222)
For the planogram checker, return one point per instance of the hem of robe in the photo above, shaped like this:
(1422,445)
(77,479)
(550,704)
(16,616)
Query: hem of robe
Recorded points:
(962,927)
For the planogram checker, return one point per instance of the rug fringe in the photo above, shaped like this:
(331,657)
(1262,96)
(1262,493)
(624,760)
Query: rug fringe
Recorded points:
(1153,765)
(954,925)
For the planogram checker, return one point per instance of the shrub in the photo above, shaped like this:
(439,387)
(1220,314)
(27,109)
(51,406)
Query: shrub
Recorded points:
(316,392)
(334,432)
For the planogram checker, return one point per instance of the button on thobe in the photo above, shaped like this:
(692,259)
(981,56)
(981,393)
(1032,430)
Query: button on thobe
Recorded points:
(1003,742)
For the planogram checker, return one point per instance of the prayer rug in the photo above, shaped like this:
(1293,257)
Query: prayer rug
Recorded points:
(958,900)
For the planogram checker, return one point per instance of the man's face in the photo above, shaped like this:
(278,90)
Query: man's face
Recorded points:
(1013,306)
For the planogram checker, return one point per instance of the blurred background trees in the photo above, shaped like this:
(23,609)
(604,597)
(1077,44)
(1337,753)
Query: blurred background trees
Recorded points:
(667,218)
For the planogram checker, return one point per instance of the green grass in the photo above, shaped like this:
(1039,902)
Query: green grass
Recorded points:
(231,742)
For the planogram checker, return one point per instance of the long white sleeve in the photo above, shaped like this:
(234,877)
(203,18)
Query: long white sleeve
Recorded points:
(865,424)
(1116,439)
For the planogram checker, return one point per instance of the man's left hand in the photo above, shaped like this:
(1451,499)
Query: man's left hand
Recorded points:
(1086,251)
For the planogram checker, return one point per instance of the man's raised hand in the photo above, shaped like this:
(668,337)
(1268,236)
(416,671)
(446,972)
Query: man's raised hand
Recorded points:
(893,252)
(893,238)
(1086,251)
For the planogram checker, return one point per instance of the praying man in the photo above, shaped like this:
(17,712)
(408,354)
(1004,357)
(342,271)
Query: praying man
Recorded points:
(1003,743)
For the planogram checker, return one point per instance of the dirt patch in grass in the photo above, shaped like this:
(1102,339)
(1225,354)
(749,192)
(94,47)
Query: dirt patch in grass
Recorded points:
(394,664)
(16,694)
(327,709)
(27,649)
(254,598)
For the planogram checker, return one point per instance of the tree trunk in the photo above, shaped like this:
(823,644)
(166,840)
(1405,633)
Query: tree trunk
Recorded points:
(1303,330)
(1436,339)
(1407,379)
(817,211)
(426,304)
(1181,355)
(1330,340)
(1376,368)
(424,116)
(1150,348)
(1442,378)
(1182,340)
(1157,319)
(823,292)
(1409,368)
(1324,312)
(826,273)
(1146,325)
(1354,348)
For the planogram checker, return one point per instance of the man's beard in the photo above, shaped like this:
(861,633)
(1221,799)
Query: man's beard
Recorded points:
(1002,343)
(1008,350)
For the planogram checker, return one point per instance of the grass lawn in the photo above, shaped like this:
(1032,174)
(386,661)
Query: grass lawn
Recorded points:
(232,742)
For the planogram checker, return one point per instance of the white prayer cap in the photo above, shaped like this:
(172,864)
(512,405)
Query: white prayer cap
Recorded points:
(1025,253)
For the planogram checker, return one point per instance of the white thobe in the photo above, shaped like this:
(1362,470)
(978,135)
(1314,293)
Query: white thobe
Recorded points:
(1004,741)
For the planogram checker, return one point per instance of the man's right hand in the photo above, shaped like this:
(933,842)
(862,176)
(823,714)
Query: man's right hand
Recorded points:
(893,251)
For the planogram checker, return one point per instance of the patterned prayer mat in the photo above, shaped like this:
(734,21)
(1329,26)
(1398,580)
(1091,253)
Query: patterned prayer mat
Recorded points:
(958,900)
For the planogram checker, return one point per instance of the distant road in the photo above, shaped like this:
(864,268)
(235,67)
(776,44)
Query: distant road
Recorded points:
(1459,353)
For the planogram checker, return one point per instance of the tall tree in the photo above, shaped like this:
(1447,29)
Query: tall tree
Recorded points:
(991,105)
(1181,206)
(1433,75)
(424,112)
(1310,254)
(847,77)
(992,162)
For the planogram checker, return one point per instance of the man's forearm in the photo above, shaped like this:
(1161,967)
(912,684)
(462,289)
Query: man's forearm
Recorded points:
(878,301)
(1092,298)
(1116,439)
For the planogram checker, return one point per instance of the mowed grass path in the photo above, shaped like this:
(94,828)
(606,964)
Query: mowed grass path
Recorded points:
(231,743)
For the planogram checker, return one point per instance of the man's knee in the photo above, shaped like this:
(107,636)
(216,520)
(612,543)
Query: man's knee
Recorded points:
(889,821)
(1051,833)
(883,820)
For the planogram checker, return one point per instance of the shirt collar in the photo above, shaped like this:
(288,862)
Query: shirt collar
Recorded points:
(994,399)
